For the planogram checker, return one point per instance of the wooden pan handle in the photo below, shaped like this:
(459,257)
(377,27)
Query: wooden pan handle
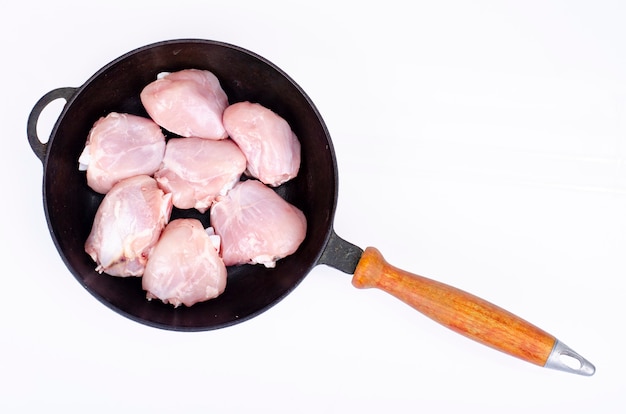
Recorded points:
(462,312)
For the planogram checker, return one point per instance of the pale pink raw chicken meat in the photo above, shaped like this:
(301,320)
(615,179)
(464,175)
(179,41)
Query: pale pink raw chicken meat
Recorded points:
(270,146)
(120,146)
(184,267)
(256,225)
(197,170)
(189,102)
(127,225)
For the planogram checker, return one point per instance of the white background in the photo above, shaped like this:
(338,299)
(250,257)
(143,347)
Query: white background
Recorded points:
(479,143)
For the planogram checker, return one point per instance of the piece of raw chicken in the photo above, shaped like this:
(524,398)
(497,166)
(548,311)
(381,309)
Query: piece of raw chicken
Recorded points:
(121,146)
(270,146)
(189,102)
(197,170)
(127,225)
(256,225)
(184,267)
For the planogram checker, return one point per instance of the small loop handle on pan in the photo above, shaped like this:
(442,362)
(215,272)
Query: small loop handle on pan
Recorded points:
(39,147)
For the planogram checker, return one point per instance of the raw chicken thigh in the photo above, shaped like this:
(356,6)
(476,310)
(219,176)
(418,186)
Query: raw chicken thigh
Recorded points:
(269,144)
(197,170)
(190,102)
(127,225)
(184,267)
(121,146)
(256,225)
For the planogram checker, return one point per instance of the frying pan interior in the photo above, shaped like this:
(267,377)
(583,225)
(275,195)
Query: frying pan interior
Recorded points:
(70,205)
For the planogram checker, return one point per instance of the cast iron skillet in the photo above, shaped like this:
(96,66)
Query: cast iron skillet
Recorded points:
(70,206)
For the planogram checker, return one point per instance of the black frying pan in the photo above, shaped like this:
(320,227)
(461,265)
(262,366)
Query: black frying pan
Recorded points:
(70,206)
